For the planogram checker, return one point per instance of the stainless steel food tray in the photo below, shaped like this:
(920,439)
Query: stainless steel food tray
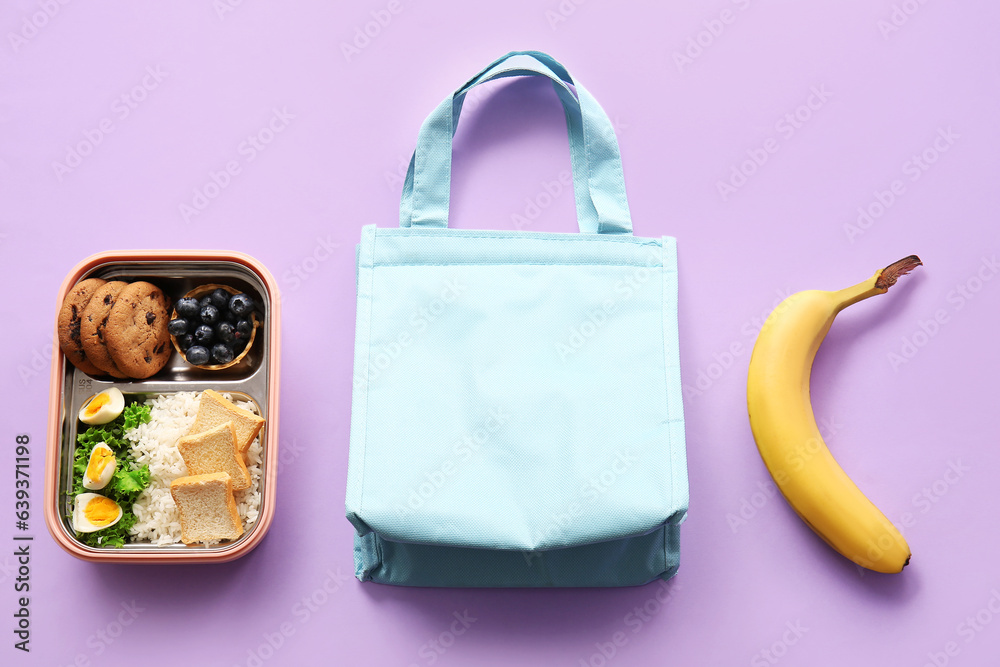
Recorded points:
(254,378)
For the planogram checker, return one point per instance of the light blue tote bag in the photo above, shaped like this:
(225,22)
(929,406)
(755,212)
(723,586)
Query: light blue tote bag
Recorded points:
(517,415)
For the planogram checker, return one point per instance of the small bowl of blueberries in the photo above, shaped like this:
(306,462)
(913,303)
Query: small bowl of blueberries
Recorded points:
(213,326)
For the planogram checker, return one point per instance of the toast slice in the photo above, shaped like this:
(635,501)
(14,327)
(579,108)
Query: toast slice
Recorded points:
(215,450)
(208,510)
(213,410)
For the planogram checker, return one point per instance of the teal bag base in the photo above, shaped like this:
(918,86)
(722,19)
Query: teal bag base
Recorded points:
(632,561)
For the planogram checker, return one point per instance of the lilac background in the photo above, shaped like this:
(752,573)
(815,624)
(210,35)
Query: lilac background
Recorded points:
(334,167)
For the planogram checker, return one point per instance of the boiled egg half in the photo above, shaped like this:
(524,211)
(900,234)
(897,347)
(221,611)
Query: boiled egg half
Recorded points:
(103,407)
(93,512)
(100,468)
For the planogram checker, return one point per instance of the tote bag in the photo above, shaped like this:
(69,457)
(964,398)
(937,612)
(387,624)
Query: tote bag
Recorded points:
(517,414)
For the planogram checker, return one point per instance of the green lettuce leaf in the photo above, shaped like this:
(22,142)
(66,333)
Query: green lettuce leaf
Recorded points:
(131,482)
(126,484)
(135,414)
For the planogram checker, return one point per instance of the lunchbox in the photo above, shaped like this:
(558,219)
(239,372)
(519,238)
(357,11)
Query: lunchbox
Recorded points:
(255,378)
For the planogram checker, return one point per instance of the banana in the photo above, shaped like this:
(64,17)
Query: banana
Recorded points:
(784,427)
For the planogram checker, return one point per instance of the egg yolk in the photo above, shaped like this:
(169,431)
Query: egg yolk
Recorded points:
(99,460)
(101,511)
(99,402)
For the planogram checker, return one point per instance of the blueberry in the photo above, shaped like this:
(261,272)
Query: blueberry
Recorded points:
(209,314)
(225,332)
(239,345)
(205,301)
(220,298)
(204,334)
(241,304)
(227,316)
(185,341)
(187,307)
(178,327)
(243,329)
(197,355)
(222,353)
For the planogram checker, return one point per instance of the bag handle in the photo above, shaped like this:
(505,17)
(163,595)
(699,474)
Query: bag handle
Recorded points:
(598,181)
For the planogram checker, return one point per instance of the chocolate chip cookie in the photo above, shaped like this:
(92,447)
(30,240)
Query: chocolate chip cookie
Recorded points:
(69,321)
(94,321)
(136,331)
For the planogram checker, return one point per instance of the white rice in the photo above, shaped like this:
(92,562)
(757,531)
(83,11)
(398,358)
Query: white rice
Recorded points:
(155,444)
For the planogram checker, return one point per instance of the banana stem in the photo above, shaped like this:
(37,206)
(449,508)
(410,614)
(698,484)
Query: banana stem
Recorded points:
(888,276)
(851,295)
(877,284)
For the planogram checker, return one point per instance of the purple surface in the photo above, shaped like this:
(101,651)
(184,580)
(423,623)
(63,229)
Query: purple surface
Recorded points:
(888,91)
